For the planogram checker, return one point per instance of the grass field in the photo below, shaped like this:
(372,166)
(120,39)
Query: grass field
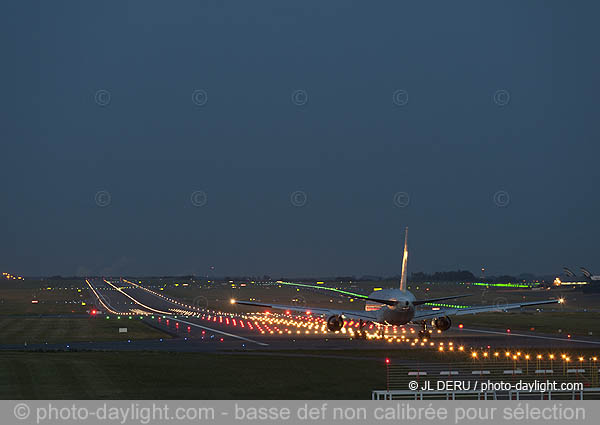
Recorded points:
(149,375)
(17,330)
(55,301)
(218,296)
(569,323)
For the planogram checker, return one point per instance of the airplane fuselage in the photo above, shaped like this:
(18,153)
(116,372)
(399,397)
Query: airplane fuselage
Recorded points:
(400,314)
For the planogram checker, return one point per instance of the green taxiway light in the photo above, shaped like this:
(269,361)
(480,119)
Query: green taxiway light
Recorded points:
(504,285)
(360,295)
(324,288)
(447,305)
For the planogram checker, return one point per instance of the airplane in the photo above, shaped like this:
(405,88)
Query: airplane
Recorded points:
(590,283)
(569,273)
(396,306)
(589,276)
(593,281)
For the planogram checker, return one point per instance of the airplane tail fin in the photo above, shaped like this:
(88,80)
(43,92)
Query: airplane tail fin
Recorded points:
(404,261)
(568,272)
(586,272)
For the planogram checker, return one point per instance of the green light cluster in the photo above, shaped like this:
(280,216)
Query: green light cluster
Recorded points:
(447,305)
(504,285)
(352,294)
(362,296)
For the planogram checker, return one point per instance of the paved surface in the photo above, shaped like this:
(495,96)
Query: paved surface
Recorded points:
(197,330)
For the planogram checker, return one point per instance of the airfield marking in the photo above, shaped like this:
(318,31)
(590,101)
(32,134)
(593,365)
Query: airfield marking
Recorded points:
(102,301)
(169,314)
(136,301)
(220,332)
(533,336)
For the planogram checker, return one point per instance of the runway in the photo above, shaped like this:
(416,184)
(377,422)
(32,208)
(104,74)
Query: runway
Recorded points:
(195,329)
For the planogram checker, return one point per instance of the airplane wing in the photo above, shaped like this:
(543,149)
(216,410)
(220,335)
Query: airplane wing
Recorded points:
(368,316)
(434,300)
(432,314)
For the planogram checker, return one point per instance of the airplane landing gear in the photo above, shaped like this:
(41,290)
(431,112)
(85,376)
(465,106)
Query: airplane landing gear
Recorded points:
(360,333)
(424,333)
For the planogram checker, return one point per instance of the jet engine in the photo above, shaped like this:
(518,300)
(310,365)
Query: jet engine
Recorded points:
(442,323)
(335,323)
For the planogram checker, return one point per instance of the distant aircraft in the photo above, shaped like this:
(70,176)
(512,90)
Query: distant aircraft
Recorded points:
(569,273)
(397,307)
(590,277)
(590,283)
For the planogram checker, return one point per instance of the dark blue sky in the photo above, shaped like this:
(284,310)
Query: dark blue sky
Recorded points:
(484,113)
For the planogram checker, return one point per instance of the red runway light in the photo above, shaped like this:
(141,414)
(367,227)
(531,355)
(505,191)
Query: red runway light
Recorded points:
(460,325)
(387,360)
(508,331)
(189,328)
